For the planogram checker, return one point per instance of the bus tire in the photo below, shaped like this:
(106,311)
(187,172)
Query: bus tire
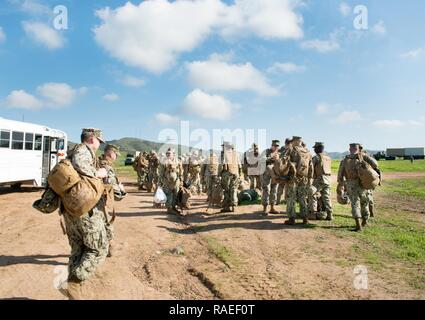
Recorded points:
(16,186)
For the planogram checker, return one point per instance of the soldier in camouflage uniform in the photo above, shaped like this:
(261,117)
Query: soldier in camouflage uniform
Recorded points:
(211,167)
(268,185)
(86,234)
(141,167)
(230,171)
(281,187)
(153,171)
(322,165)
(252,168)
(194,171)
(299,185)
(170,179)
(370,192)
(358,195)
(110,155)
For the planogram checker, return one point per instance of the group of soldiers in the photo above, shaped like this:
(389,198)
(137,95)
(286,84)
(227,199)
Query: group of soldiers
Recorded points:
(290,171)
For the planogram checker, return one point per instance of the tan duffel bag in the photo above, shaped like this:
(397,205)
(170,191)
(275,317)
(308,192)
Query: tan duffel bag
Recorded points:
(369,178)
(63,177)
(83,196)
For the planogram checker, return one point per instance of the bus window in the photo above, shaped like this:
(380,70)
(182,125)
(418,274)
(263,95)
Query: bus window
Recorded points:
(4,139)
(53,144)
(17,140)
(60,144)
(29,141)
(38,142)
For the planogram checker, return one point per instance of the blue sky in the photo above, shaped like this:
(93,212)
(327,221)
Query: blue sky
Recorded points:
(291,67)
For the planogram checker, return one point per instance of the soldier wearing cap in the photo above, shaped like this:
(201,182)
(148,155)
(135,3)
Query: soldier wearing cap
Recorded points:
(370,192)
(322,165)
(86,234)
(230,171)
(140,165)
(194,172)
(348,177)
(153,171)
(110,155)
(251,167)
(268,186)
(210,173)
(281,187)
(170,180)
(298,187)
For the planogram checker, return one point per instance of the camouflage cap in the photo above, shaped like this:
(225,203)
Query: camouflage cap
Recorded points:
(114,148)
(254,145)
(228,145)
(318,145)
(296,138)
(97,133)
(275,143)
(355,144)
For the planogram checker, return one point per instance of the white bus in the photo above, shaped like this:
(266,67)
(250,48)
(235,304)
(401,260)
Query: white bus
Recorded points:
(28,152)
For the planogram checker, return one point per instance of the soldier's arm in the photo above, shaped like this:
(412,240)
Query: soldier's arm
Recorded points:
(373,163)
(310,170)
(82,161)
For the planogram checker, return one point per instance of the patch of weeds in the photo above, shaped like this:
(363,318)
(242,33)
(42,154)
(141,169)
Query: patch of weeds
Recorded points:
(222,253)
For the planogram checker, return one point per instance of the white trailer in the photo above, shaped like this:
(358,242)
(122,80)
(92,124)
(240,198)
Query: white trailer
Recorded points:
(28,152)
(414,152)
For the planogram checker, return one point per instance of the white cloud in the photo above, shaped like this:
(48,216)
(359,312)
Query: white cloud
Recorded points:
(348,117)
(268,19)
(132,81)
(43,34)
(153,34)
(57,94)
(34,7)
(216,75)
(379,28)
(396,124)
(23,100)
(323,108)
(287,67)
(111,97)
(208,106)
(2,35)
(322,46)
(344,9)
(413,54)
(166,119)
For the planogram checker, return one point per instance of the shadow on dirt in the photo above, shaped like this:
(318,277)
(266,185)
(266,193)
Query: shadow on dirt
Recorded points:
(36,259)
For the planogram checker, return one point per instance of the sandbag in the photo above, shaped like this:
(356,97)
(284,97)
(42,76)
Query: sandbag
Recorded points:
(369,178)
(160,197)
(83,196)
(63,177)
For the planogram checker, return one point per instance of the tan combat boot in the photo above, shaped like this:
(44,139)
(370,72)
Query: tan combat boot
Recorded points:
(305,220)
(273,210)
(364,222)
(329,216)
(358,225)
(265,211)
(225,210)
(110,250)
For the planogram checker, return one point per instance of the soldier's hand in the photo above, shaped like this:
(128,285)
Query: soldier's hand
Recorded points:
(102,173)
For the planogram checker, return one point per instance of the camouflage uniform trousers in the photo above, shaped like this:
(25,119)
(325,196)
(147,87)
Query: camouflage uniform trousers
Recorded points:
(280,193)
(359,199)
(322,186)
(297,190)
(152,179)
(230,183)
(195,182)
(269,190)
(141,177)
(254,182)
(89,243)
(210,181)
(171,191)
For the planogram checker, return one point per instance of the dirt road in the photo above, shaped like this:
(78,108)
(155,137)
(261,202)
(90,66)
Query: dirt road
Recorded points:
(204,255)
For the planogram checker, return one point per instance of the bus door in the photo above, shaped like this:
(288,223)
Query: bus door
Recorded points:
(53,152)
(46,159)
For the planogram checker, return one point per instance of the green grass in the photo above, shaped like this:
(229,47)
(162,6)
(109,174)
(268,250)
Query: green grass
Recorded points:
(123,170)
(222,253)
(392,166)
(406,187)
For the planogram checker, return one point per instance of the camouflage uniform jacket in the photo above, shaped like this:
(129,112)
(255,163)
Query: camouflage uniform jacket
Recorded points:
(111,178)
(302,160)
(84,160)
